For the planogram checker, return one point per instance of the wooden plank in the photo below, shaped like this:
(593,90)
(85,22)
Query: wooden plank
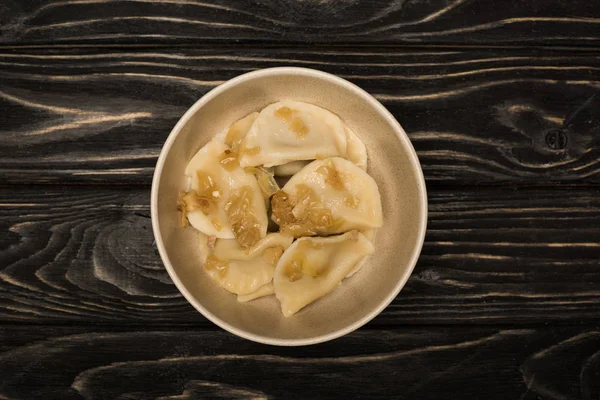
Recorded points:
(490,255)
(437,22)
(102,116)
(412,363)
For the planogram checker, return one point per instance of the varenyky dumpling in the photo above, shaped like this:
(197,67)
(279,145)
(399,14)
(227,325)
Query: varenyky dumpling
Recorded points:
(248,271)
(291,131)
(370,235)
(264,290)
(312,267)
(326,197)
(356,150)
(224,200)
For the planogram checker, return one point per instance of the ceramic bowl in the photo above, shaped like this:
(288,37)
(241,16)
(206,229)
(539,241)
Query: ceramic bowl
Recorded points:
(393,164)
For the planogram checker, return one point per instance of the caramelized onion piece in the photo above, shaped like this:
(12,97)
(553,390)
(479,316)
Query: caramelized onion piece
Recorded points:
(207,187)
(192,201)
(295,124)
(212,240)
(236,133)
(332,177)
(266,180)
(234,137)
(299,127)
(294,270)
(273,254)
(302,215)
(299,266)
(285,113)
(204,199)
(244,223)
(213,263)
(183,221)
(229,160)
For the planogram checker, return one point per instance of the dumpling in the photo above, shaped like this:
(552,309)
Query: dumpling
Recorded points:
(264,290)
(290,131)
(237,131)
(224,200)
(327,197)
(231,250)
(244,271)
(370,235)
(356,150)
(312,267)
(204,249)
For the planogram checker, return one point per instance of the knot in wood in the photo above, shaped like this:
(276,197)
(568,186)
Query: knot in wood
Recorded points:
(556,139)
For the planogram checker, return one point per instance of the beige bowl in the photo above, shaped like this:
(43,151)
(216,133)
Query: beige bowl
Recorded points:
(392,163)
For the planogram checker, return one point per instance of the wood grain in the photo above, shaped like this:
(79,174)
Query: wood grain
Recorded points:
(408,363)
(505,300)
(412,22)
(490,256)
(474,116)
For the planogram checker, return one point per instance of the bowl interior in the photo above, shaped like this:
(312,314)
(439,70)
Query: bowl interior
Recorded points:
(392,163)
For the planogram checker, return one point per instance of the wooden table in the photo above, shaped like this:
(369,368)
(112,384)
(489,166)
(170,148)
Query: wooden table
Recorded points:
(498,100)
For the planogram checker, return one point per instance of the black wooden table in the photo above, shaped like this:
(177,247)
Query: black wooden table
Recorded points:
(498,100)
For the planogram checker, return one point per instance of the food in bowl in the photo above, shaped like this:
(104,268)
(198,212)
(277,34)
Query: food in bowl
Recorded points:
(324,217)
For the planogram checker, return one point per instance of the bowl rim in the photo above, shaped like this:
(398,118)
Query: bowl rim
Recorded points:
(398,130)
